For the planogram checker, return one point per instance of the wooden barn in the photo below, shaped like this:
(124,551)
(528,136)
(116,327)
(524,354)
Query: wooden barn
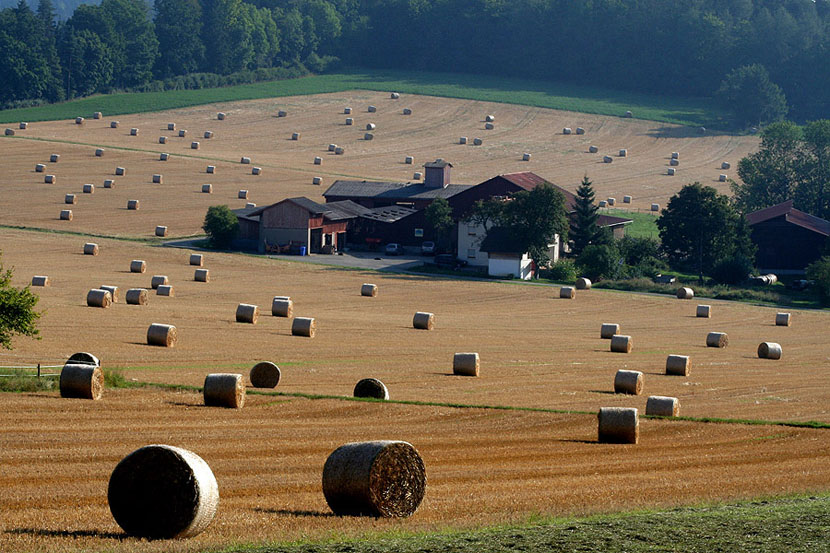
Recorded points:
(788,239)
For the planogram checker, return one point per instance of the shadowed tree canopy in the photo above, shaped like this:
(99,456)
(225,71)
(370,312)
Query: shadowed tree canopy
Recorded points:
(221,226)
(17,310)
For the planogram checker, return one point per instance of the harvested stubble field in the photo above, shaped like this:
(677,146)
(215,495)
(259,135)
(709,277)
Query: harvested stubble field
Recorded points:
(253,129)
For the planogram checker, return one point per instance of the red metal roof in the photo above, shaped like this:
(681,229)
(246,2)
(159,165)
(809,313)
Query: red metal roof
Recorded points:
(528,181)
(791,215)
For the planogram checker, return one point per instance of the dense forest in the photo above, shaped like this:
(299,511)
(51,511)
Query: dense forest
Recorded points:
(685,48)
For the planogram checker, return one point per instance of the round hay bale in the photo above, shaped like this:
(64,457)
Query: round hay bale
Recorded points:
(256,170)
(157,179)
(332,147)
(162,335)
(40,280)
(607,159)
(97,115)
(623,152)
(368,136)
(771,278)
(489,126)
(90,248)
(349,121)
(161,231)
(282,306)
(138,266)
(655,207)
(50,179)
(195,145)
(423,320)
(245,160)
(580,130)
(208,135)
(53,158)
(465,364)
(23,126)
(89,189)
(347,111)
(247,313)
(722,178)
(703,311)
(182,133)
(583,283)
(769,350)
(626,199)
(69,199)
(490,118)
(113,290)
(109,183)
(674,162)
(662,406)
(621,343)
(162,140)
(567,130)
(165,290)
(717,340)
(371,388)
(725,165)
(40,168)
(782,319)
(371,109)
(628,382)
(224,390)
(79,120)
(417,175)
(567,292)
(603,203)
(678,365)
(525,156)
(83,358)
(196,259)
(81,380)
(282,113)
(98,298)
(201,275)
(120,171)
(407,111)
(162,492)
(339,151)
(671,171)
(211,169)
(242,195)
(611,201)
(66,214)
(220,116)
(462,140)
(295,136)
(164,156)
(99,152)
(618,425)
(628,114)
(317,180)
(370,126)
(409,160)
(369,290)
(381,479)
(136,296)
(158,280)
(318,160)
(304,326)
(593,149)
(265,375)
(207,189)
(394,95)
(608,330)
(685,293)
(134,132)
(477,142)
(171,126)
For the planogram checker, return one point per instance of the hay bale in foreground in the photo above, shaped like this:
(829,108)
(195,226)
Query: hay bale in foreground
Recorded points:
(489,126)
(608,330)
(369,290)
(381,479)
(685,293)
(567,292)
(138,266)
(162,140)
(282,306)
(265,375)
(583,283)
(81,380)
(318,160)
(628,382)
(162,335)
(679,365)
(113,290)
(304,326)
(662,406)
(722,177)
(769,350)
(158,280)
(717,340)
(98,298)
(621,343)
(9,132)
(349,121)
(201,275)
(618,425)
(40,280)
(282,113)
(247,313)
(368,136)
(165,290)
(703,311)
(83,358)
(66,215)
(162,492)
(347,111)
(371,388)
(423,320)
(224,390)
(782,319)
(465,364)
(136,296)
(161,231)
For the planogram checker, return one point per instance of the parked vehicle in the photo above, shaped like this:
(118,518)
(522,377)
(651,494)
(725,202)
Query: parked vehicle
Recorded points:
(428,248)
(448,260)
(393,249)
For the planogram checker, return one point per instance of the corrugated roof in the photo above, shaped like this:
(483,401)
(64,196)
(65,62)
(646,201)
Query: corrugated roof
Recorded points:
(528,180)
(391,191)
(388,214)
(791,215)
(247,213)
(310,205)
(343,210)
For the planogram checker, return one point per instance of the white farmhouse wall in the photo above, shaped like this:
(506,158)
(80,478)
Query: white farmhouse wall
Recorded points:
(510,265)
(469,239)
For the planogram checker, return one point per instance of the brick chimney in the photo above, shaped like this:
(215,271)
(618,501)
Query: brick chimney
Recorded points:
(437,174)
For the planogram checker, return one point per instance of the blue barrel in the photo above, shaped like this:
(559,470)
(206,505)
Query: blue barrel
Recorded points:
(302,250)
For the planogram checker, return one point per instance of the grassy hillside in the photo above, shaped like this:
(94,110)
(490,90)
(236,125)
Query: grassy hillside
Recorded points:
(684,111)
(644,223)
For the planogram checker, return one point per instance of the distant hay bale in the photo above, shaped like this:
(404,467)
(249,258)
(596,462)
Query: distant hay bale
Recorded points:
(372,109)
(782,319)
(674,162)
(66,215)
(655,207)
(158,179)
(98,298)
(626,199)
(69,199)
(161,231)
(133,205)
(347,111)
(242,195)
(567,130)
(265,375)
(136,296)
(134,132)
(40,280)
(208,135)
(201,275)
(247,313)
(162,335)
(580,130)
(409,160)
(245,160)
(769,350)
(162,492)
(40,168)
(703,311)
(417,175)
(171,126)
(609,330)
(332,147)
(90,248)
(207,189)
(628,382)
(611,201)
(109,183)
(477,142)
(82,381)
(618,425)
(671,171)
(489,126)
(349,121)
(282,306)
(628,114)
(318,160)
(603,203)
(138,266)
(89,189)
(158,280)
(120,171)
(196,259)
(295,136)
(394,95)
(525,156)
(607,159)
(282,113)
(79,120)
(675,155)
(662,406)
(220,116)
(164,156)
(83,358)
(165,290)
(490,118)
(339,151)
(722,178)
(621,343)
(423,320)
(567,292)
(583,283)
(97,115)
(678,365)
(371,388)
(465,364)
(593,149)
(304,326)
(370,126)
(113,290)
(717,340)
(317,180)
(23,125)
(195,145)
(725,165)
(50,179)
(407,111)
(182,133)
(9,132)
(162,140)
(369,290)
(623,152)
(368,136)
(462,140)
(224,390)
(211,169)
(256,170)
(380,479)
(685,293)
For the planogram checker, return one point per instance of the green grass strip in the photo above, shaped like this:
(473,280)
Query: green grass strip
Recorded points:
(149,241)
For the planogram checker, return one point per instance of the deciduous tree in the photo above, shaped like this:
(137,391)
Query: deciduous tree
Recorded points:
(17,310)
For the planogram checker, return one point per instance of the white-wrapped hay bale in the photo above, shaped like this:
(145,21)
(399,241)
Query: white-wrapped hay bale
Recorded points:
(407,111)
(423,320)
(567,292)
(703,311)
(489,126)
(40,280)
(583,283)
(158,280)
(525,156)
(54,158)
(82,381)
(256,170)
(133,131)
(347,111)
(242,195)
(317,180)
(23,125)
(83,358)
(109,183)
(655,207)
(201,275)
(265,375)
(50,179)
(90,248)
(211,169)
(349,121)
(182,133)
(40,168)
(98,298)
(208,135)
(196,259)
(120,171)
(607,159)
(618,425)
(161,231)
(462,140)
(224,390)
(99,152)
(304,326)
(79,120)
(678,365)
(66,215)
(685,293)
(628,382)
(138,266)
(465,364)
(782,319)
(207,189)
(368,136)
(593,149)
(490,118)
(97,115)
(69,199)
(162,335)
(717,340)
(580,130)
(371,109)
(89,189)
(671,171)
(282,113)
(771,278)
(417,175)
(769,350)
(409,160)
(162,492)
(370,126)
(282,306)
(621,343)
(247,313)
(567,130)
(318,160)
(195,145)
(162,140)
(477,142)
(165,290)
(608,330)
(369,290)
(380,479)
(113,290)
(371,388)
(136,296)
(662,406)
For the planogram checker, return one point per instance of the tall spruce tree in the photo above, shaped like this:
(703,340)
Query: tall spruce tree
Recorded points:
(584,229)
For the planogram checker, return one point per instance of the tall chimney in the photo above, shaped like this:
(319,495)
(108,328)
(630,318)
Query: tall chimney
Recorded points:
(437,174)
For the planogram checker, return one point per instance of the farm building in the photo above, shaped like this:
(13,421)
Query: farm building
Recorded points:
(505,259)
(788,239)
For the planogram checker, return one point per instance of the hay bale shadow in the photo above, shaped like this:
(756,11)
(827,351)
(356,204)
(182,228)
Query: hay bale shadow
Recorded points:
(294,512)
(74,534)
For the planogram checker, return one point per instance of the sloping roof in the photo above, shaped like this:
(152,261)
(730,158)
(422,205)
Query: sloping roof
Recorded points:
(335,211)
(611,221)
(499,240)
(388,214)
(390,190)
(440,163)
(791,215)
(527,180)
(249,213)
(344,209)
